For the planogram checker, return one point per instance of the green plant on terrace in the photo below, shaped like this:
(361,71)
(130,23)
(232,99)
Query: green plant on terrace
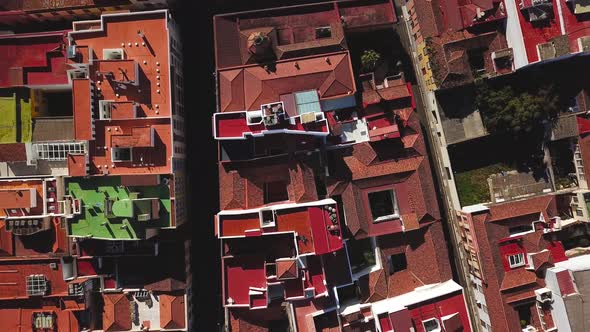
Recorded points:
(369,59)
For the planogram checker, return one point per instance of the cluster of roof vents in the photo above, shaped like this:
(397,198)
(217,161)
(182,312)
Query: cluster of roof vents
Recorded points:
(36,285)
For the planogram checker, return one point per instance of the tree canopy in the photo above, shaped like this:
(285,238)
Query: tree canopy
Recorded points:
(519,113)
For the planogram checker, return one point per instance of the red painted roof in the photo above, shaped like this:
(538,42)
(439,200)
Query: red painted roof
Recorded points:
(576,26)
(249,87)
(566,285)
(33,59)
(534,33)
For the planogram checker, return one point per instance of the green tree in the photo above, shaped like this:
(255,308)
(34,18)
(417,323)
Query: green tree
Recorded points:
(519,113)
(369,59)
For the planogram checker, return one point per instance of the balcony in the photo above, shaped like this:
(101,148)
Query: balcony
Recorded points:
(316,224)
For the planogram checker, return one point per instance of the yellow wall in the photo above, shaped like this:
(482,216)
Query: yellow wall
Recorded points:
(424,66)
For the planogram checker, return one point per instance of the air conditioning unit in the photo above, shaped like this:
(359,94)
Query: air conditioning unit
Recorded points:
(53,266)
(113,54)
(104,109)
(71,52)
(267,218)
(144,217)
(544,295)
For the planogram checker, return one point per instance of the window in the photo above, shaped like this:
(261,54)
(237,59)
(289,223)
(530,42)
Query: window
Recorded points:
(476,59)
(431,325)
(383,205)
(275,192)
(36,285)
(516,260)
(579,212)
(397,263)
(323,32)
(121,154)
(58,151)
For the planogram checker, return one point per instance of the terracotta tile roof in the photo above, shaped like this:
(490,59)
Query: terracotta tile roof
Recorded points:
(523,207)
(449,58)
(287,269)
(172,311)
(13,152)
(520,297)
(410,282)
(242,184)
(517,278)
(117,314)
(249,87)
(542,258)
(374,286)
(291,33)
(430,17)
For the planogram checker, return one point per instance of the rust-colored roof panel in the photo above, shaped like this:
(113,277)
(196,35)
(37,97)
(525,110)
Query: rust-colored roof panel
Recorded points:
(172,311)
(117,312)
(13,152)
(82,110)
(17,198)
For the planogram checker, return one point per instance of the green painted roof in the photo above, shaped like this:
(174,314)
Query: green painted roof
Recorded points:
(122,224)
(12,117)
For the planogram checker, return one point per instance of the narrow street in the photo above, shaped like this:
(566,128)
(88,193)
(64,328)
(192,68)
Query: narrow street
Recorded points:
(423,97)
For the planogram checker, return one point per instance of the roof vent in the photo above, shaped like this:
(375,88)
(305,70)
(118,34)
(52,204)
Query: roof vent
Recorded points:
(36,285)
(258,43)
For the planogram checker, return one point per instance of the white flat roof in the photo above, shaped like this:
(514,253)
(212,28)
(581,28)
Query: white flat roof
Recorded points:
(475,208)
(420,294)
(575,264)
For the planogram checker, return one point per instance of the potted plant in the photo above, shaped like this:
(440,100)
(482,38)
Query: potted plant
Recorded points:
(369,60)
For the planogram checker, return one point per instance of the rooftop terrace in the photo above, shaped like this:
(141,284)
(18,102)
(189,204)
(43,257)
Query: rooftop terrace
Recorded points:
(15,116)
(112,211)
(33,59)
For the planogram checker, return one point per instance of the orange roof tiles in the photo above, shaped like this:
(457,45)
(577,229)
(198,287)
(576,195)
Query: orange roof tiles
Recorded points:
(82,111)
(140,137)
(522,207)
(26,188)
(155,158)
(17,198)
(152,59)
(249,87)
(172,311)
(117,314)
